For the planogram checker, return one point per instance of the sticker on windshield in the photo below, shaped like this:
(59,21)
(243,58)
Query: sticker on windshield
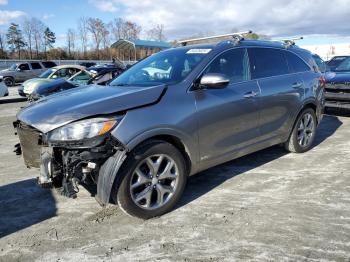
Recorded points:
(198,51)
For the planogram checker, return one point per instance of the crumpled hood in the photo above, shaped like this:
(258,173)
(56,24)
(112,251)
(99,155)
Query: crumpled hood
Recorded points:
(87,101)
(337,77)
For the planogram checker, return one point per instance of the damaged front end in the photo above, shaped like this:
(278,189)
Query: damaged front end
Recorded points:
(72,155)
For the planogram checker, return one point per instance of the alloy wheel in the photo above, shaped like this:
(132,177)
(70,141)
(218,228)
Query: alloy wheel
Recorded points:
(306,130)
(154,181)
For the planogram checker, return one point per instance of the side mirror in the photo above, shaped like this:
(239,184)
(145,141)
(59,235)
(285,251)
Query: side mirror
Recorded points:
(18,69)
(214,81)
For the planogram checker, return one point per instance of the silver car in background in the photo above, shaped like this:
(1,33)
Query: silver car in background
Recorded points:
(21,72)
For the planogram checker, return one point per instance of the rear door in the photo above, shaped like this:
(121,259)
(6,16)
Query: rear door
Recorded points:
(228,117)
(281,91)
(36,69)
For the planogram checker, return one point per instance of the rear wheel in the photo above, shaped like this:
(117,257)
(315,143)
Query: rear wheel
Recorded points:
(9,81)
(154,178)
(304,131)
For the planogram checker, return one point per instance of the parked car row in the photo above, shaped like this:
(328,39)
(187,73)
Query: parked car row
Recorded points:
(170,116)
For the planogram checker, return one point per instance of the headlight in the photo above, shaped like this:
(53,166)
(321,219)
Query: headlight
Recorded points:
(84,129)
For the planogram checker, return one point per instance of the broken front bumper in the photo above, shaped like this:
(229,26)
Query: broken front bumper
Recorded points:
(64,165)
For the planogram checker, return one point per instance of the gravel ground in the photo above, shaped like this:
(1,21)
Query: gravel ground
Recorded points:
(266,206)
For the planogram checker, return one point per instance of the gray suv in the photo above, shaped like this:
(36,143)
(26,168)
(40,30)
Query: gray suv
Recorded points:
(21,72)
(172,115)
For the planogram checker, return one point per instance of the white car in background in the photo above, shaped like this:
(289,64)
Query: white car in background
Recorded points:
(3,88)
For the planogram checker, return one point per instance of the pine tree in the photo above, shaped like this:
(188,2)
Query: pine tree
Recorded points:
(15,39)
(50,39)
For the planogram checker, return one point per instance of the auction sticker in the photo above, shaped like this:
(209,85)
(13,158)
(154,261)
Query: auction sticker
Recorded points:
(199,51)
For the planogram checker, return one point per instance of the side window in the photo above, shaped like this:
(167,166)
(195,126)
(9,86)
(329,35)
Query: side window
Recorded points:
(266,62)
(81,77)
(24,67)
(65,72)
(35,65)
(296,64)
(48,64)
(233,64)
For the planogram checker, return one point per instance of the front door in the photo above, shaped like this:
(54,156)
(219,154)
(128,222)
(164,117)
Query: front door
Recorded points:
(228,117)
(24,73)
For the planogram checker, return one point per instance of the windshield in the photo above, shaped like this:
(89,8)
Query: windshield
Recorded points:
(168,67)
(13,67)
(343,66)
(47,73)
(320,63)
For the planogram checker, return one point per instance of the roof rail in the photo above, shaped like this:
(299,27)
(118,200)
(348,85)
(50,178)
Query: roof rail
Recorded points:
(237,37)
(291,41)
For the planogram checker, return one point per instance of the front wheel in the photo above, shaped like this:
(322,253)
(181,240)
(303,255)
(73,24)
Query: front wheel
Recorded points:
(9,81)
(304,132)
(154,177)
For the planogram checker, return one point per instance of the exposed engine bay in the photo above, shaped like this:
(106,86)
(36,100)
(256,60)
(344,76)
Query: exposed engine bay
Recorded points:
(66,165)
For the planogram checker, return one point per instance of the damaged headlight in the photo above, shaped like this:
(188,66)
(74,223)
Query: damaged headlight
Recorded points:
(84,129)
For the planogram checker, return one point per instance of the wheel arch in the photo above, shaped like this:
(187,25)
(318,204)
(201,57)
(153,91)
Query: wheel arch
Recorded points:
(183,143)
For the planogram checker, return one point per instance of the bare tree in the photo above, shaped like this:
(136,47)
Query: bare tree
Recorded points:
(121,29)
(83,34)
(116,27)
(98,30)
(156,33)
(28,32)
(131,30)
(38,34)
(71,38)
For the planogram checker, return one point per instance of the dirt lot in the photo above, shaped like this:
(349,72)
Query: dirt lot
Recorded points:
(267,206)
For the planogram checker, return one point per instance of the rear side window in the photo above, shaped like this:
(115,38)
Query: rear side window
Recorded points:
(233,64)
(48,64)
(296,64)
(266,62)
(35,65)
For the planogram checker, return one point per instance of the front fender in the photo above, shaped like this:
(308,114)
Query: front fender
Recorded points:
(187,141)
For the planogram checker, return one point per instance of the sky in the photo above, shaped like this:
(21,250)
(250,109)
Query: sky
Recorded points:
(318,21)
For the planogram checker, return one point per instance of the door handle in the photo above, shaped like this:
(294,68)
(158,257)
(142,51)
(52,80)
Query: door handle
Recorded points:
(250,94)
(296,85)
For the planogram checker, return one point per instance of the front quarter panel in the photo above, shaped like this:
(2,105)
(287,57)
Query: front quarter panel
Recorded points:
(173,115)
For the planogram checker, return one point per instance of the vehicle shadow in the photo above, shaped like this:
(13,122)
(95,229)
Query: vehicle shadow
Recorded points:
(206,181)
(327,127)
(23,204)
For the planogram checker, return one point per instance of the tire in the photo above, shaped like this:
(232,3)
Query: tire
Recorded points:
(295,143)
(144,199)
(9,81)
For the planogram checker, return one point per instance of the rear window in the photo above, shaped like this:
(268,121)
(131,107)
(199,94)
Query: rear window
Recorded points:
(267,62)
(48,64)
(35,65)
(296,64)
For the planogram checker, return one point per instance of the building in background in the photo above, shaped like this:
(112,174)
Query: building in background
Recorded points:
(328,51)
(134,50)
